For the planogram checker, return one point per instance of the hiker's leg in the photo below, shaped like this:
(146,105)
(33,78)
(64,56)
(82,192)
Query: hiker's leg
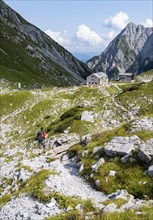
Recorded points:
(39,142)
(44,146)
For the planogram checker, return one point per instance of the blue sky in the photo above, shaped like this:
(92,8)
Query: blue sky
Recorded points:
(83,26)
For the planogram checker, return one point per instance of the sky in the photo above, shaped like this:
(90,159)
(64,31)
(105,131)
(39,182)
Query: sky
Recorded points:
(84,26)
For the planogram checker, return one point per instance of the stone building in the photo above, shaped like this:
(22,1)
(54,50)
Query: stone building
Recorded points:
(99,78)
(125,77)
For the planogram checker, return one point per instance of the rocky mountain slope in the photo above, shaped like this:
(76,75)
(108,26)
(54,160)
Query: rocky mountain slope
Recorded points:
(99,156)
(30,56)
(131,50)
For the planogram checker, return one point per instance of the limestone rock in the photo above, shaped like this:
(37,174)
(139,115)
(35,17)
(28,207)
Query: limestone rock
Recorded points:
(150,171)
(142,124)
(110,208)
(146,151)
(112,173)
(96,149)
(87,116)
(96,165)
(121,146)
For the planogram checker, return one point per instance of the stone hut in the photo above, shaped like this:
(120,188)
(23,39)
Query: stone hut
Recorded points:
(125,77)
(99,78)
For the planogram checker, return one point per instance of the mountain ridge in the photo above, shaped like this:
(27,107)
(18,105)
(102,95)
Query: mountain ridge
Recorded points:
(123,51)
(32,51)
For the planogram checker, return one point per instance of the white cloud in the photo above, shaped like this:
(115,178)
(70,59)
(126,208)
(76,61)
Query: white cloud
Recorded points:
(86,34)
(148,23)
(111,35)
(59,37)
(120,20)
(84,40)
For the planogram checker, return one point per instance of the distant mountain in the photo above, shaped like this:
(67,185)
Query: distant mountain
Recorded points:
(131,50)
(84,57)
(28,55)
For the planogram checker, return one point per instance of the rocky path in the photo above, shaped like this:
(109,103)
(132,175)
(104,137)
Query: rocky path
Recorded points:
(67,182)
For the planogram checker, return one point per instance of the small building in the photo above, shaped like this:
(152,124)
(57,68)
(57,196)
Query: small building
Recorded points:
(125,77)
(99,78)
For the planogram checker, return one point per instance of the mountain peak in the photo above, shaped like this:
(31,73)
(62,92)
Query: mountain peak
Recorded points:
(122,54)
(130,24)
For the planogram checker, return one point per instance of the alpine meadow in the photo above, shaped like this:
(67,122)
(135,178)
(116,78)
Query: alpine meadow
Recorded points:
(95,160)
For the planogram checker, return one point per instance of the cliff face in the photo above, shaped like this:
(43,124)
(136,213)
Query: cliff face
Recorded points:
(144,60)
(26,48)
(131,50)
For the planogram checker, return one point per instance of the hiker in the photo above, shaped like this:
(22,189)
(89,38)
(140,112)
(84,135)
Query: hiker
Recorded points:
(41,135)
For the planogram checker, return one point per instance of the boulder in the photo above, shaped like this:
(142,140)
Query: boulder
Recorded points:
(84,153)
(87,116)
(23,175)
(110,208)
(79,207)
(127,205)
(96,165)
(121,146)
(119,194)
(146,151)
(142,124)
(85,139)
(150,171)
(81,168)
(112,173)
(96,149)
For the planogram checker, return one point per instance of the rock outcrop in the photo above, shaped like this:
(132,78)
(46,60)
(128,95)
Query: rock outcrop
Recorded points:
(146,151)
(122,146)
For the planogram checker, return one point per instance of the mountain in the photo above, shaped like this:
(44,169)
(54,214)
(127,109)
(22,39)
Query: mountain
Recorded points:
(84,57)
(131,50)
(144,60)
(28,55)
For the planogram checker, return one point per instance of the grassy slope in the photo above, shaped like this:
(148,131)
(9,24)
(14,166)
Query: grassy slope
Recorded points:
(19,66)
(139,94)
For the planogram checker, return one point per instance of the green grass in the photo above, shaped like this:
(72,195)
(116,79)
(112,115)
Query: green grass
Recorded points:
(70,119)
(13,101)
(144,135)
(140,94)
(27,79)
(32,186)
(147,214)
(100,139)
(4,199)
(119,202)
(145,74)
(84,93)
(129,176)
(113,90)
(74,214)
